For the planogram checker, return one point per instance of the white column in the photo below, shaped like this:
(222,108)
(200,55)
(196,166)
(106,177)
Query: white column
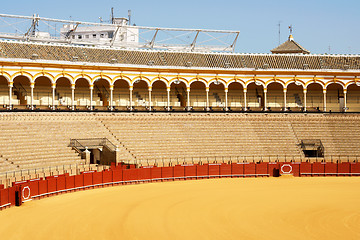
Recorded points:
(305,90)
(324,91)
(168,98)
(91,95)
(10,94)
(188,97)
(207,98)
(111,96)
(265,99)
(285,90)
(32,95)
(245,100)
(150,104)
(131,90)
(53,87)
(226,99)
(345,99)
(72,96)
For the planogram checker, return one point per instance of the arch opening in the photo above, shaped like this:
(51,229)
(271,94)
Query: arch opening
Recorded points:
(22,91)
(82,93)
(159,95)
(275,96)
(315,97)
(236,96)
(121,94)
(178,94)
(140,94)
(101,93)
(216,95)
(335,98)
(255,96)
(353,98)
(4,92)
(63,92)
(198,94)
(295,97)
(42,92)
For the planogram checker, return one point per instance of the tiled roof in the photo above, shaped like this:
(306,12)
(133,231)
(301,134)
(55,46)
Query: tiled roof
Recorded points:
(71,53)
(290,46)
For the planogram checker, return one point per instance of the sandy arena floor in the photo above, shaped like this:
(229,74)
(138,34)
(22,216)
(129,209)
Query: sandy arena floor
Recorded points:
(261,208)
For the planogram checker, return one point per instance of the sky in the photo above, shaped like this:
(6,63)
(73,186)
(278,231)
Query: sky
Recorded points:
(320,26)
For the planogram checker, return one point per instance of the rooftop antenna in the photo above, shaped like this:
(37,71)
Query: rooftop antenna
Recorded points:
(279,25)
(112,15)
(129,16)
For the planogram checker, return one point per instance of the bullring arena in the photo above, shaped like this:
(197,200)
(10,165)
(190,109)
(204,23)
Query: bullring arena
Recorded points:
(177,144)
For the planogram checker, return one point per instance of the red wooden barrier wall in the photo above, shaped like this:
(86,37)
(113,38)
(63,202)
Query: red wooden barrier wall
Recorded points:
(43,187)
(61,183)
(272,167)
(97,178)
(261,168)
(214,169)
(179,171)
(202,171)
(305,169)
(318,169)
(79,180)
(225,170)
(117,175)
(331,169)
(167,172)
(53,184)
(107,176)
(190,171)
(87,179)
(355,168)
(295,168)
(249,169)
(344,169)
(237,169)
(4,196)
(155,172)
(70,182)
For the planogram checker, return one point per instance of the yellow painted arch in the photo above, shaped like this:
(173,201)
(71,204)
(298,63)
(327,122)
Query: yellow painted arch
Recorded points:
(22,73)
(162,79)
(181,80)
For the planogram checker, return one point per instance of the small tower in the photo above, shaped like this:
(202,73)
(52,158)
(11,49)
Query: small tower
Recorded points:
(290,46)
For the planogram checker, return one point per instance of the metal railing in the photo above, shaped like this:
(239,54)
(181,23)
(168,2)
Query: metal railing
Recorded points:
(82,144)
(164,161)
